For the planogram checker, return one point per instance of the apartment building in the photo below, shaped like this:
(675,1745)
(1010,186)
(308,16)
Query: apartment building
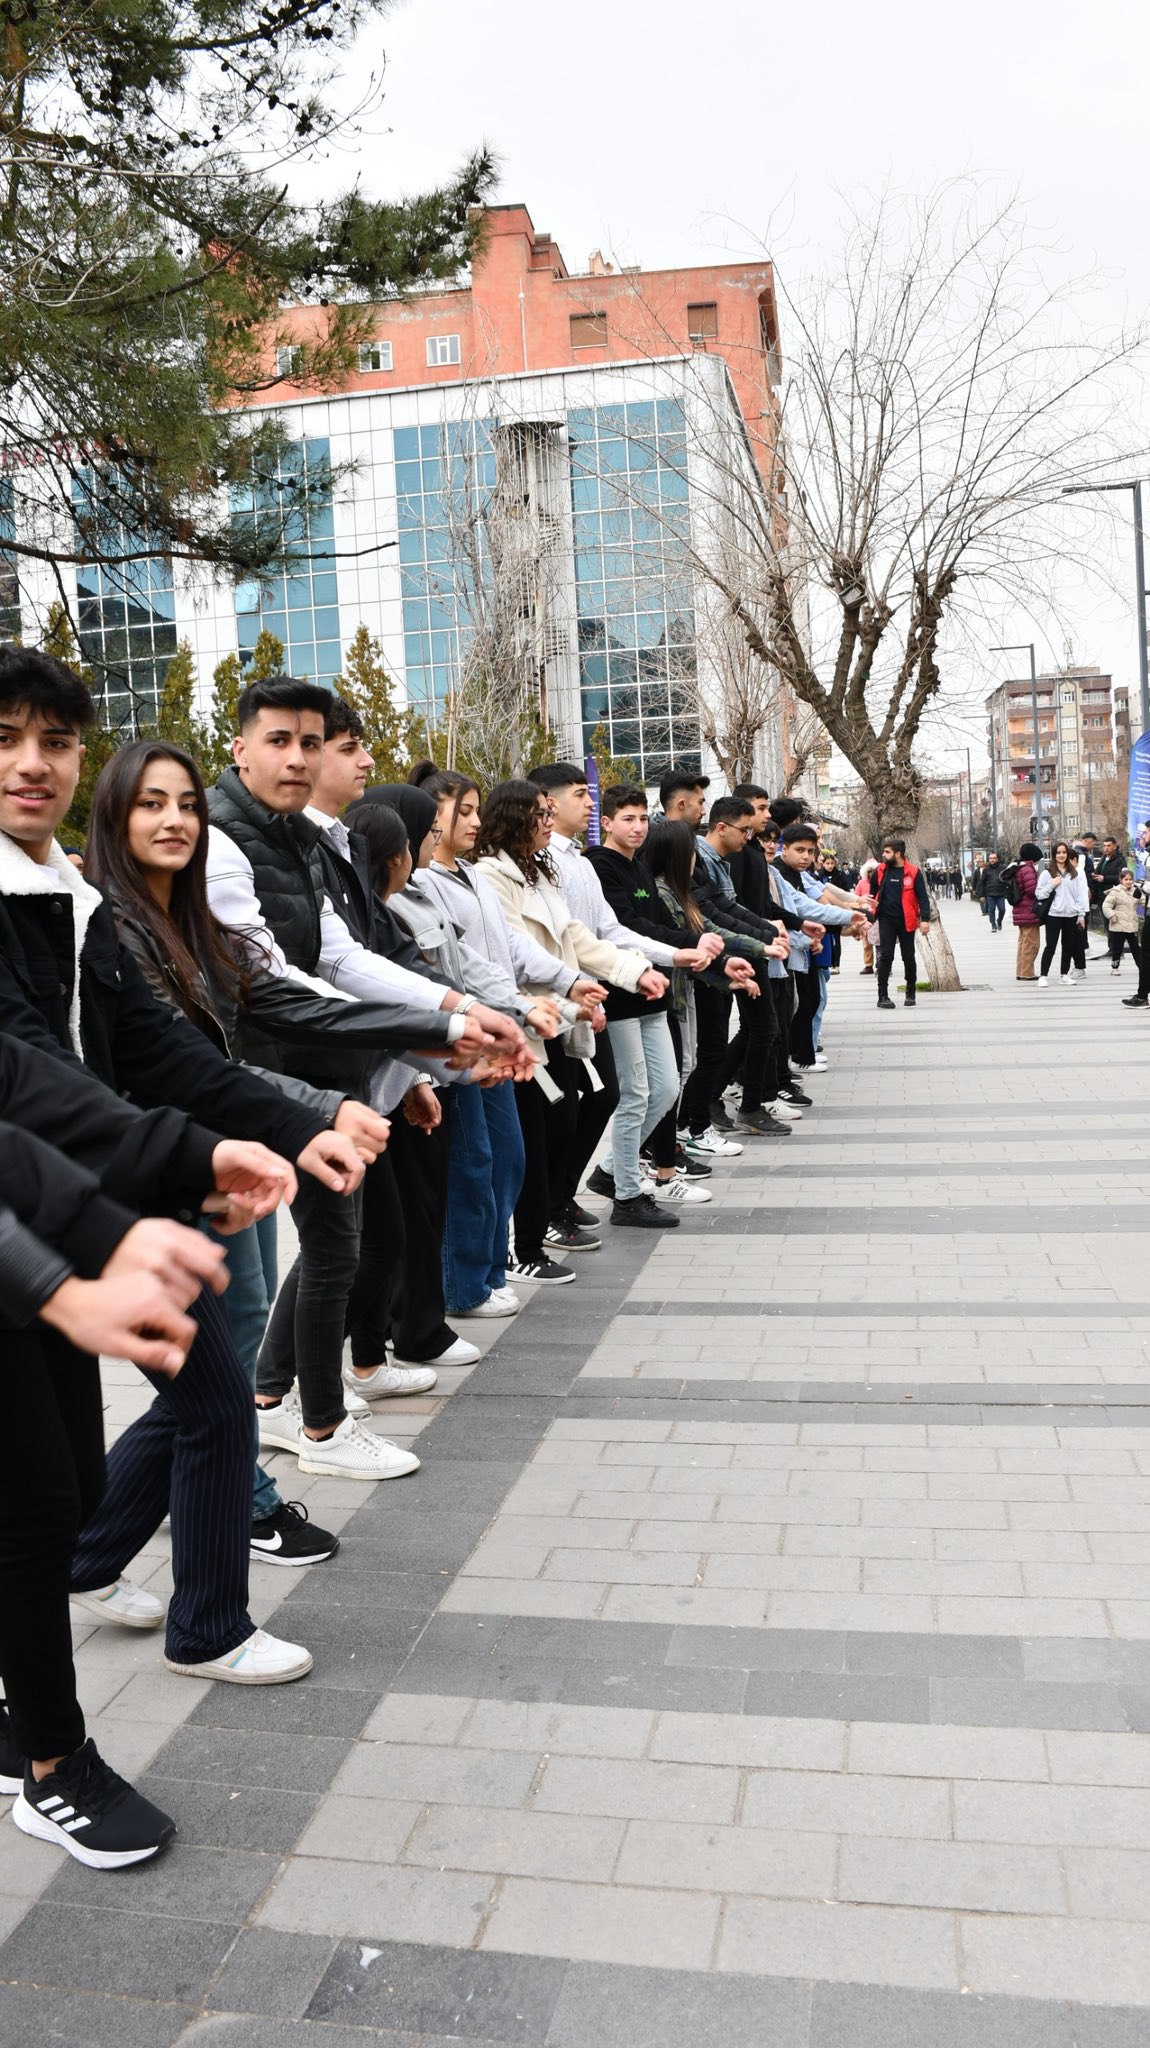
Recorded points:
(1083,730)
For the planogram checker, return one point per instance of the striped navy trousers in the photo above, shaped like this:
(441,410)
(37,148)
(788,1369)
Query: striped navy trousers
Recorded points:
(190,1455)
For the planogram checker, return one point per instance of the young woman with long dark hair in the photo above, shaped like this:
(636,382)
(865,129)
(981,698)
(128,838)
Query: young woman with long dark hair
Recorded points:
(1067,893)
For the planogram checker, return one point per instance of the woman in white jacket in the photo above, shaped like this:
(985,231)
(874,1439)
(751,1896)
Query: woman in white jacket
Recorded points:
(1065,891)
(514,835)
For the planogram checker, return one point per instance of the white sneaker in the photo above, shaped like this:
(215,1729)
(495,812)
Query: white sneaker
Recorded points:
(130,1605)
(496,1304)
(1042,981)
(262,1660)
(386,1383)
(279,1427)
(785,1111)
(352,1452)
(354,1404)
(680,1194)
(713,1144)
(459,1353)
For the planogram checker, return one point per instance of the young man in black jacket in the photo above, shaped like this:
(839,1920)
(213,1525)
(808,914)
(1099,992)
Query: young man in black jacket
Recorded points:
(68,986)
(641,1041)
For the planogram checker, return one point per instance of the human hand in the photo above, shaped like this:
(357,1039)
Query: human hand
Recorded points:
(815,932)
(256,1179)
(368,1131)
(709,943)
(598,1019)
(333,1161)
(652,984)
(588,994)
(181,1260)
(544,1018)
(779,949)
(132,1317)
(742,974)
(422,1107)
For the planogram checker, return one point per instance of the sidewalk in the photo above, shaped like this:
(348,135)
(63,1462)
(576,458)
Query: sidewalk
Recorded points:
(760,1658)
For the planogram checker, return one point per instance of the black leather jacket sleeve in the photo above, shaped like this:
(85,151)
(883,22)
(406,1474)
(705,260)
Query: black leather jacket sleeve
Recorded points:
(284,1009)
(53,1221)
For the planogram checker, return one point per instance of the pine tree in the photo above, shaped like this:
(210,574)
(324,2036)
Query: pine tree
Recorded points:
(99,743)
(267,658)
(612,767)
(227,682)
(391,734)
(176,719)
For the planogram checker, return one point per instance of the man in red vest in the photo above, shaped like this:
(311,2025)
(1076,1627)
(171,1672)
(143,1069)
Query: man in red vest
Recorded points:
(901,904)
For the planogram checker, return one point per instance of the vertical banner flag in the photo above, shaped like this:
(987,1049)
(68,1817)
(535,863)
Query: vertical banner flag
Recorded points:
(1138,807)
(592,767)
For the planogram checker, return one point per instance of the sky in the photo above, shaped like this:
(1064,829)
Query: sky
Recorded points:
(676,134)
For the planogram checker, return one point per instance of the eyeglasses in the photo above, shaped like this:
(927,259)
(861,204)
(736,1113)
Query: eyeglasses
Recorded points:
(436,834)
(544,817)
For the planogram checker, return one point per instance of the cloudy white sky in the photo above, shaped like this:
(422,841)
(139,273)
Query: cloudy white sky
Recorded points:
(665,135)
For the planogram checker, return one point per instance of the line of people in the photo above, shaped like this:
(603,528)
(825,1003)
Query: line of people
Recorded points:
(411,1012)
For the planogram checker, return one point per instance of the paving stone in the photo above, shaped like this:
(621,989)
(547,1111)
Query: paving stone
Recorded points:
(978,1877)
(86,1948)
(1073,1959)
(1025,1706)
(415,1771)
(490,1996)
(735,1860)
(601,2006)
(272,1973)
(855,1944)
(236,1757)
(849,1697)
(36,2014)
(319,1895)
(534,1844)
(637,1791)
(190,1882)
(872,2016)
(603,1924)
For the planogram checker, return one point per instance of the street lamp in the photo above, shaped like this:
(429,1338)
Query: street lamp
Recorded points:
(1080,490)
(1027,647)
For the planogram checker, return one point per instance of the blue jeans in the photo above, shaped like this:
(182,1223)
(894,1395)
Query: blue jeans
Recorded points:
(996,911)
(246,1304)
(648,1084)
(824,974)
(484,1176)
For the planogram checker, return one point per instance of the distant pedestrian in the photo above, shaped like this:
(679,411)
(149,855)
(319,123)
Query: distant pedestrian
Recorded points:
(1065,890)
(901,905)
(1120,909)
(1022,888)
(994,891)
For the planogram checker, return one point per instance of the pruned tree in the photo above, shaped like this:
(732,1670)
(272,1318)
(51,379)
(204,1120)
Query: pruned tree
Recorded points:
(176,717)
(390,733)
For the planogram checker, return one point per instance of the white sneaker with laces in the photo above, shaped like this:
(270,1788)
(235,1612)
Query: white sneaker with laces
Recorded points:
(388,1382)
(352,1452)
(1043,981)
(785,1111)
(680,1194)
(458,1353)
(354,1404)
(508,1297)
(713,1143)
(279,1427)
(262,1660)
(130,1605)
(495,1304)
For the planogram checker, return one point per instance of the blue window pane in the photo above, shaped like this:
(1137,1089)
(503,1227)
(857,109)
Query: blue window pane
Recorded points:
(406,442)
(322,522)
(413,650)
(247,597)
(429,438)
(275,622)
(326,625)
(328,657)
(624,737)
(595,704)
(325,588)
(407,479)
(302,655)
(298,592)
(410,546)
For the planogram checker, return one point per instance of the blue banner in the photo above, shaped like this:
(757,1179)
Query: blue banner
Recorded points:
(592,767)
(1138,807)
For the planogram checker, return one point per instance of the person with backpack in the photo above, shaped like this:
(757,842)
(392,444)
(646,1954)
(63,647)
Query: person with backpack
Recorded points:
(1021,883)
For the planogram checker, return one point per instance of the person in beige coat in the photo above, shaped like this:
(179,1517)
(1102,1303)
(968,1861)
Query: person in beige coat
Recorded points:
(1120,907)
(512,857)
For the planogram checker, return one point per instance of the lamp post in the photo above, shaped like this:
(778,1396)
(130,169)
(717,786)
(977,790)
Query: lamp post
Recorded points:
(1027,647)
(1081,490)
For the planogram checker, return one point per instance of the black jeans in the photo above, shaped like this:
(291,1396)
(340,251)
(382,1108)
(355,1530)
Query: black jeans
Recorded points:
(596,1108)
(51,1480)
(381,1249)
(753,1051)
(665,1137)
(808,990)
(189,1456)
(893,933)
(1073,938)
(305,1331)
(418,1320)
(1119,943)
(782,988)
(549,1131)
(712,1025)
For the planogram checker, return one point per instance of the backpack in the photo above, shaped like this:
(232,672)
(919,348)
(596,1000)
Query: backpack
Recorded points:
(1014,890)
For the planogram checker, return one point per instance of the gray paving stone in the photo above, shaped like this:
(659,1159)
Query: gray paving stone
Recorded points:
(233,1756)
(870,2016)
(86,1948)
(31,2016)
(605,2006)
(684,1690)
(457,1995)
(224,1817)
(1067,1659)
(935,1656)
(271,1973)
(811,1695)
(191,1882)
(228,2031)
(281,1709)
(600,1642)
(1037,1705)
(749,1649)
(1109,2026)
(500,1678)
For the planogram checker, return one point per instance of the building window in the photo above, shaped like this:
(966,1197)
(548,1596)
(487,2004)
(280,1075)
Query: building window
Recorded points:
(300,605)
(442,348)
(588,330)
(288,360)
(702,323)
(375,355)
(125,608)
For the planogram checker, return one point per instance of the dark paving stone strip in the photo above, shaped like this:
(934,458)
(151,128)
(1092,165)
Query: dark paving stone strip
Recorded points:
(1032,1112)
(1034,1312)
(814,1401)
(1132,1136)
(921,1169)
(982,1219)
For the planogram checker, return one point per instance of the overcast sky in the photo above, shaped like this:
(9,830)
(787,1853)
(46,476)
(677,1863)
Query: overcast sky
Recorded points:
(671,134)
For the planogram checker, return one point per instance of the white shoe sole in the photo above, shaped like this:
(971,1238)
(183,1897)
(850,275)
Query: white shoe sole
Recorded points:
(483,1314)
(102,1611)
(9,1787)
(323,1471)
(221,1674)
(30,1822)
(275,1439)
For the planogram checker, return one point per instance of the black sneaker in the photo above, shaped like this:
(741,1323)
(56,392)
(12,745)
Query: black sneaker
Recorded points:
(797,1097)
(690,1167)
(84,1807)
(13,1762)
(1135,1002)
(570,1237)
(547,1271)
(759,1123)
(884,1003)
(585,1218)
(721,1118)
(601,1183)
(287,1537)
(642,1213)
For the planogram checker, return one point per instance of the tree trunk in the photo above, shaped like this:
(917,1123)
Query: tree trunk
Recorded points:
(935,947)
